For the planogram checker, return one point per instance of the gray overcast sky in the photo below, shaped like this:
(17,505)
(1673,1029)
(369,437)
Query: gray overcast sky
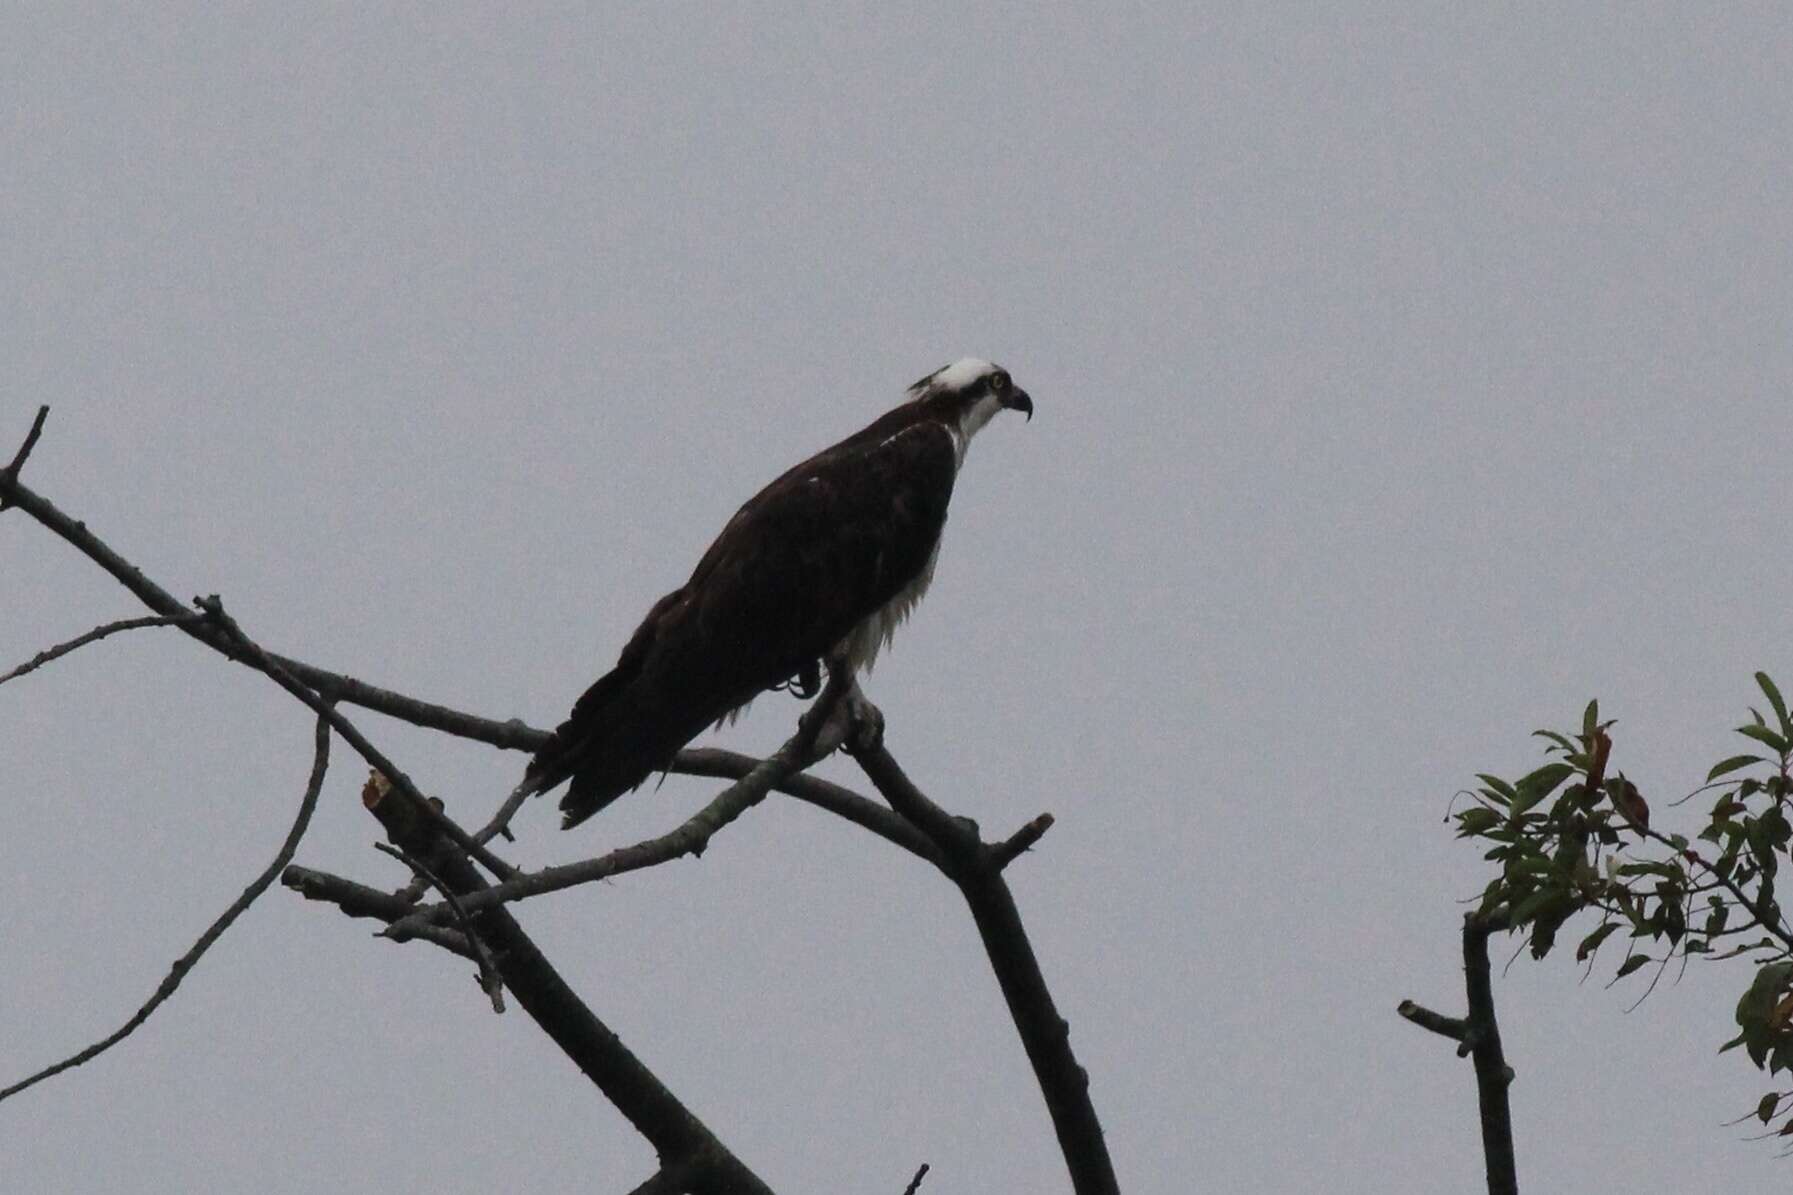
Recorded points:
(1405,377)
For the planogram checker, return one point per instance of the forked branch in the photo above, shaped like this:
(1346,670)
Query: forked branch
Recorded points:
(1478,1036)
(186,962)
(976,867)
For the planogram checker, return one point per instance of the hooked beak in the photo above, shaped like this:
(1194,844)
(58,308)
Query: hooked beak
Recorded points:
(1017,400)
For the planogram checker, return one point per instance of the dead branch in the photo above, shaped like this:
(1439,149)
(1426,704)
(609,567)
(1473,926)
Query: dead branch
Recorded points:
(1478,1036)
(823,794)
(331,686)
(669,1180)
(9,476)
(678,1136)
(93,636)
(691,1156)
(489,981)
(341,689)
(690,838)
(319,764)
(976,867)
(252,653)
(1455,1028)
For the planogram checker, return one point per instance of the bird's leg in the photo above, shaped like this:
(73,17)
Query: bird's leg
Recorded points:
(806,683)
(865,721)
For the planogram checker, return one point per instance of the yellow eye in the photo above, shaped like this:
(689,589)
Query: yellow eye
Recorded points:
(998,383)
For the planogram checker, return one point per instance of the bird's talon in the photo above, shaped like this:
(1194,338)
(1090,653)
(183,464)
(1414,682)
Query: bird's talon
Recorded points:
(866,724)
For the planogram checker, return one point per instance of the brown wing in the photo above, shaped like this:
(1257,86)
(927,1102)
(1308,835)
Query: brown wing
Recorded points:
(801,564)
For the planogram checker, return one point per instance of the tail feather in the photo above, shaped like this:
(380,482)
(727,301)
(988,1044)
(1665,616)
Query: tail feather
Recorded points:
(623,730)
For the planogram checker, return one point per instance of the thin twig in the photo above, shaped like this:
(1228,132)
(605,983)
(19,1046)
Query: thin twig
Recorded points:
(1777,928)
(332,686)
(915,1183)
(1007,851)
(214,609)
(489,981)
(501,820)
(320,763)
(837,799)
(507,734)
(690,838)
(9,476)
(94,636)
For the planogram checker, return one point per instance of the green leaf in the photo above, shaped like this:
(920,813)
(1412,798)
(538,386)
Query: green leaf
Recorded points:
(1774,698)
(1764,735)
(1756,1005)
(1528,908)
(1765,1108)
(1476,821)
(1631,964)
(1539,784)
(1556,738)
(1492,895)
(1497,784)
(1731,765)
(1591,943)
(1726,807)
(1780,1058)
(1590,720)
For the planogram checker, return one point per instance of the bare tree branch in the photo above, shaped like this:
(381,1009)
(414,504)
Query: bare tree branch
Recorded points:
(221,633)
(803,749)
(353,898)
(976,867)
(824,794)
(915,1183)
(331,686)
(669,1180)
(1478,1036)
(93,636)
(320,763)
(511,735)
(1492,1074)
(1455,1028)
(1021,841)
(275,671)
(693,1159)
(489,981)
(678,1136)
(9,476)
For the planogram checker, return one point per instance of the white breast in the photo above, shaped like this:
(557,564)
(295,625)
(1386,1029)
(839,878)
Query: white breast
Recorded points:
(863,643)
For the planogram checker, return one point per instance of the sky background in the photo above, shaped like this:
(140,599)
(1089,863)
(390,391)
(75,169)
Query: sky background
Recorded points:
(1404,377)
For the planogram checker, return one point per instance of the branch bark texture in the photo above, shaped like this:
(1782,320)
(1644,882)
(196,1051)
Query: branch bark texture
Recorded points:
(976,867)
(1478,1036)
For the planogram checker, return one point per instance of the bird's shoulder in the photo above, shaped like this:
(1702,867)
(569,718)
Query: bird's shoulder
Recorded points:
(898,463)
(900,448)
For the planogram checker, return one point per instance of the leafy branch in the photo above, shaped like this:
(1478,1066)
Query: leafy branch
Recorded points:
(1573,839)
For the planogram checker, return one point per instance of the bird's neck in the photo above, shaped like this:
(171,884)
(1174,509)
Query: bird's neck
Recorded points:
(967,422)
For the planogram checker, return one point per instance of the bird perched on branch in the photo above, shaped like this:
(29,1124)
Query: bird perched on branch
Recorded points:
(819,568)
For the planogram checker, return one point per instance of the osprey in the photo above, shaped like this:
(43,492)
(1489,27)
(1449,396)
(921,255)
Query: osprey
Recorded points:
(821,565)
